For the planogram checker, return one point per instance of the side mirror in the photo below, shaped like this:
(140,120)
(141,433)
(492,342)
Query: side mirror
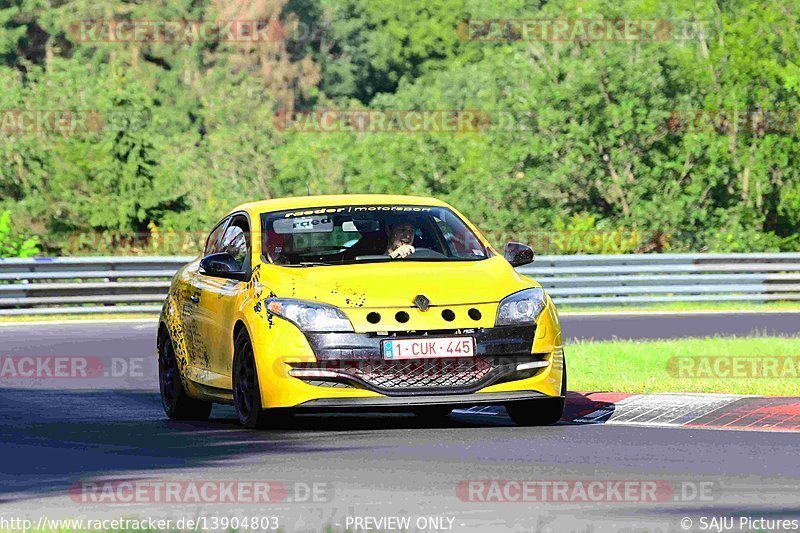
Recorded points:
(222,265)
(517,254)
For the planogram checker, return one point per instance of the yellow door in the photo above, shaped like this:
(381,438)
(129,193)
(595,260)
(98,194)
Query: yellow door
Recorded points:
(213,315)
(216,310)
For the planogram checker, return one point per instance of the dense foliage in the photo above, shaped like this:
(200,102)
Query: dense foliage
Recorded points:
(15,245)
(594,145)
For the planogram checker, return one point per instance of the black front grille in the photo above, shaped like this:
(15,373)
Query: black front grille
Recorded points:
(431,373)
(413,376)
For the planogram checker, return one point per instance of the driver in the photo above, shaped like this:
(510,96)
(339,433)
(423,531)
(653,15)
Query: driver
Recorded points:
(401,237)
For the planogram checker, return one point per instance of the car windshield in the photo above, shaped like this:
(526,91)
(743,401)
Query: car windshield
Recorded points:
(358,234)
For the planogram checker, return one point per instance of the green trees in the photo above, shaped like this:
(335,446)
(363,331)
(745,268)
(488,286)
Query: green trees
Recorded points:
(12,244)
(578,129)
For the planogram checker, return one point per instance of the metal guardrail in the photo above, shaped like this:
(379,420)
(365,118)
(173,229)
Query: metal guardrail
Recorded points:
(86,285)
(138,284)
(657,278)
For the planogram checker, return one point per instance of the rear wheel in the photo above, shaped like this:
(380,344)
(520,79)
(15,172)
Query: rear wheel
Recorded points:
(176,401)
(539,412)
(246,392)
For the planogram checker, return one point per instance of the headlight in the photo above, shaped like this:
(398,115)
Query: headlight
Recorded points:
(310,316)
(522,307)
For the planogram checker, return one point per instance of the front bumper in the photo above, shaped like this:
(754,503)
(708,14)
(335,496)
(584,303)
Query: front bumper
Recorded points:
(355,360)
(281,348)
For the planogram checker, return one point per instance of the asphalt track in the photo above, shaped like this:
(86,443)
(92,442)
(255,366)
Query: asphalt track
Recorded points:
(56,433)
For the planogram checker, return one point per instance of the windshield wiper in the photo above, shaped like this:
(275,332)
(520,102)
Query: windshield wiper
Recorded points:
(310,264)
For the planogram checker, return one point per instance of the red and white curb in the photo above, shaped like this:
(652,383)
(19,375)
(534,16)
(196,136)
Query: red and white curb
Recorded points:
(699,411)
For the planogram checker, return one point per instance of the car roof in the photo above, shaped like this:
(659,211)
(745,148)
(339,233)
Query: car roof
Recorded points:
(326,200)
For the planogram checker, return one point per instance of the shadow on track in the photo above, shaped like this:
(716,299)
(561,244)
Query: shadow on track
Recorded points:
(51,439)
(581,404)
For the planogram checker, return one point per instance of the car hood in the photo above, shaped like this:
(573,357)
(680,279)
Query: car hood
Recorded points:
(397,283)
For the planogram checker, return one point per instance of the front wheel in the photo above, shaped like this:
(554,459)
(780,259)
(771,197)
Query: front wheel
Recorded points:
(176,401)
(246,392)
(542,412)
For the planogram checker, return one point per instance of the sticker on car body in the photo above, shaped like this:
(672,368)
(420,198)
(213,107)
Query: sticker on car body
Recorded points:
(314,224)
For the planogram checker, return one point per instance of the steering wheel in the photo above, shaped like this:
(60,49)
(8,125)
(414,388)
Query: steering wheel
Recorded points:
(426,253)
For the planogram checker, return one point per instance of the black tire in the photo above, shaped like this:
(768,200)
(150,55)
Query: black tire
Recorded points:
(176,401)
(246,392)
(433,412)
(543,412)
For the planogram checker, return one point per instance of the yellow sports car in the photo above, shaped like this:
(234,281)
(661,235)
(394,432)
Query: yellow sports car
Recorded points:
(362,302)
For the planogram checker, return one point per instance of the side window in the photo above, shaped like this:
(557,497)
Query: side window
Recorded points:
(236,241)
(212,243)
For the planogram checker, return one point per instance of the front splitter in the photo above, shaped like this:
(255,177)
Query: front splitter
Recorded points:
(400,402)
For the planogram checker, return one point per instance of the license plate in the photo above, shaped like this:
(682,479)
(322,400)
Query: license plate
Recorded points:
(430,348)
